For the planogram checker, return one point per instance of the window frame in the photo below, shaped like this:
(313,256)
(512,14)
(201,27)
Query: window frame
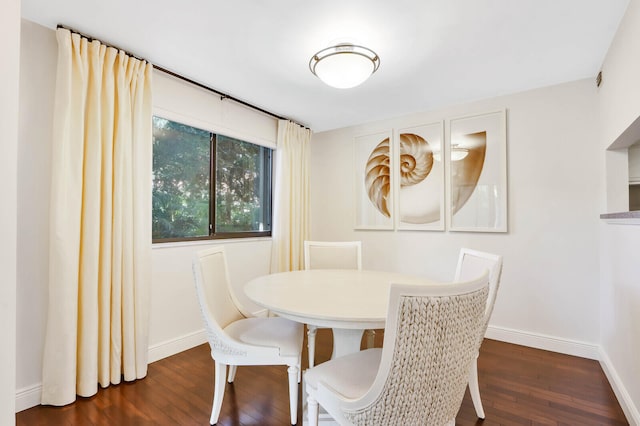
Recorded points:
(213,235)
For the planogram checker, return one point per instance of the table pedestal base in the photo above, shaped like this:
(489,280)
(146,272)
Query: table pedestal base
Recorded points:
(346,341)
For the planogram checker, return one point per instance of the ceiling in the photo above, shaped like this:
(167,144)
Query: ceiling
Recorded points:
(433,52)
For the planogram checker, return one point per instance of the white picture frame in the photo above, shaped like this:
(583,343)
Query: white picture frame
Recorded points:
(477,183)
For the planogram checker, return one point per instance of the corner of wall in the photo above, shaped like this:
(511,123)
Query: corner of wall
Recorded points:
(624,398)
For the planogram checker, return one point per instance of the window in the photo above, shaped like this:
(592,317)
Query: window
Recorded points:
(207,185)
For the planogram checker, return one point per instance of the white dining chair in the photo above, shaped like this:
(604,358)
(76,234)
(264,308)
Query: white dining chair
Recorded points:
(331,255)
(236,340)
(470,264)
(420,374)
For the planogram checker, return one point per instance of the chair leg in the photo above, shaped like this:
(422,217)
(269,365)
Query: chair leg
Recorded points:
(311,343)
(232,373)
(218,391)
(312,411)
(371,336)
(299,369)
(293,371)
(474,389)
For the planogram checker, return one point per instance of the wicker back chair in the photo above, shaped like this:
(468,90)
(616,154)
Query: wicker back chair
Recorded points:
(471,263)
(420,375)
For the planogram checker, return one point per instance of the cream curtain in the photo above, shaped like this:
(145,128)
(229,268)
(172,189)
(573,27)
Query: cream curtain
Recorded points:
(100,221)
(291,197)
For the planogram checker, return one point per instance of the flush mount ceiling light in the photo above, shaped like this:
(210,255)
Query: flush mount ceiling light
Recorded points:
(458,153)
(344,65)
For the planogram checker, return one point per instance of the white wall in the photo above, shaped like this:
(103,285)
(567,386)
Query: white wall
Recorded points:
(37,83)
(175,317)
(9,75)
(189,104)
(619,107)
(619,104)
(619,94)
(175,322)
(549,291)
(620,312)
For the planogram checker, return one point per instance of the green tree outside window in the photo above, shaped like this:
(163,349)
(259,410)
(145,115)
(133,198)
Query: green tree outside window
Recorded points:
(184,175)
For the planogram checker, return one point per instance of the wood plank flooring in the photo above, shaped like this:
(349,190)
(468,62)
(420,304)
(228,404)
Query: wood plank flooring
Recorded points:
(519,386)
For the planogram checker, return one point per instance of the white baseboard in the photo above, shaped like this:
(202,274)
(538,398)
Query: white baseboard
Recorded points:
(177,345)
(547,343)
(574,348)
(31,396)
(625,400)
(28,397)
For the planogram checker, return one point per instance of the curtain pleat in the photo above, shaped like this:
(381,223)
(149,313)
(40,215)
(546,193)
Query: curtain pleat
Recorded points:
(100,221)
(291,197)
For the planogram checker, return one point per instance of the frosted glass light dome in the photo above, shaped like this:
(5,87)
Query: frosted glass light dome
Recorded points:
(345,65)
(458,153)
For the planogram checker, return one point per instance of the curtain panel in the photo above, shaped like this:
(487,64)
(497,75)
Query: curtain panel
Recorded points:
(291,197)
(100,221)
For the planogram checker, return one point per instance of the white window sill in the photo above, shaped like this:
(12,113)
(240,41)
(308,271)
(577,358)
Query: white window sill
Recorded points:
(158,246)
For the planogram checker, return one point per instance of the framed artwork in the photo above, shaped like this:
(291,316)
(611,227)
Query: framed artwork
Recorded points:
(419,177)
(477,190)
(374,190)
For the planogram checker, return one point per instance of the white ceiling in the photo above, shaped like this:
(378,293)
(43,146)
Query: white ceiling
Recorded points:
(433,52)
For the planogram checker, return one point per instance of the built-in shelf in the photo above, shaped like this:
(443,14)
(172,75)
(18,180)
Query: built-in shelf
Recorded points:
(622,218)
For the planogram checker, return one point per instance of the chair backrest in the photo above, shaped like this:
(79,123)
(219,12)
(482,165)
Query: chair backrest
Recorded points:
(333,255)
(471,263)
(213,290)
(431,339)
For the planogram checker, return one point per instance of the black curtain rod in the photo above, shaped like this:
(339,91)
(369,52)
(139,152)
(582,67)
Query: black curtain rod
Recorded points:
(222,95)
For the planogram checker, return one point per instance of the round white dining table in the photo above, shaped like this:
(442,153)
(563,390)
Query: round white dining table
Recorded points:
(346,300)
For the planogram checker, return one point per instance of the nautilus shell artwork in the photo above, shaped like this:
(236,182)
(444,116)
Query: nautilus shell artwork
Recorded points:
(416,162)
(377,179)
(420,176)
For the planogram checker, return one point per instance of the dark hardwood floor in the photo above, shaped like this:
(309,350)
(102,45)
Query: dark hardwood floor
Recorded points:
(519,386)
